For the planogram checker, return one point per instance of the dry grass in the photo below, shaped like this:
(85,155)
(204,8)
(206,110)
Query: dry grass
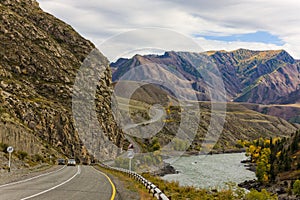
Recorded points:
(296,105)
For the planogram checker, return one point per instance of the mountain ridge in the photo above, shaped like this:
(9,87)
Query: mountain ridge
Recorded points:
(249,76)
(40,58)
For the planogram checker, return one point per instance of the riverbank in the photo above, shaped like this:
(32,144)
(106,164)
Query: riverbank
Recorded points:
(280,188)
(167,169)
(212,152)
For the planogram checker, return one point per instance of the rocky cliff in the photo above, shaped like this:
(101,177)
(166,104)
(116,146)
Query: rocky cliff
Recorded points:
(39,61)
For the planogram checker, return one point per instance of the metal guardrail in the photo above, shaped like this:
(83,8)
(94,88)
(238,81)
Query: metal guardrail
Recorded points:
(157,193)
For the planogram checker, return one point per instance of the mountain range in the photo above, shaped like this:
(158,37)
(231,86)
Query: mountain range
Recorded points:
(40,60)
(262,77)
(264,81)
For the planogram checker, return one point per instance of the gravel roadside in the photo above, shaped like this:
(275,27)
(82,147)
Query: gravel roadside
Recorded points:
(25,173)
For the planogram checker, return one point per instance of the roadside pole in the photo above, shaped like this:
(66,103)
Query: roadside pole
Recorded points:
(9,149)
(130,155)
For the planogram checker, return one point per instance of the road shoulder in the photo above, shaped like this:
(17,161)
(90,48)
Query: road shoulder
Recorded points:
(26,173)
(125,188)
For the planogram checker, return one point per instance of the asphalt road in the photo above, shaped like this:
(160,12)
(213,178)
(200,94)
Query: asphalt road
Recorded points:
(159,113)
(74,183)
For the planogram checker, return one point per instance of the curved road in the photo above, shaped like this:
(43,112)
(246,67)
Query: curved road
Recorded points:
(159,113)
(75,183)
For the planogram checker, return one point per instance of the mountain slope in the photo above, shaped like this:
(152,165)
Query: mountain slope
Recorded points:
(241,123)
(286,158)
(289,112)
(249,76)
(40,58)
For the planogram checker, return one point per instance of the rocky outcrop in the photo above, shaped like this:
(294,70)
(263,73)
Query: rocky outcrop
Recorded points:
(39,60)
(166,169)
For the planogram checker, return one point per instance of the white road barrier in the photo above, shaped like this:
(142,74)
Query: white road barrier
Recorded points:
(157,193)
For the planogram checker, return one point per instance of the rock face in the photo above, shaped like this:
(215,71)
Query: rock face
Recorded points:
(40,58)
(264,77)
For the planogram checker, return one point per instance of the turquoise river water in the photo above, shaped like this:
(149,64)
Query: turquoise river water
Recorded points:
(210,171)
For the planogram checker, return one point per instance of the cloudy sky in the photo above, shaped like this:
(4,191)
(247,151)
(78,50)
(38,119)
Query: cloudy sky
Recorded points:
(211,24)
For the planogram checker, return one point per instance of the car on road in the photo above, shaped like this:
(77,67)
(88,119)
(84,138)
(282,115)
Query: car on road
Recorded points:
(61,161)
(71,162)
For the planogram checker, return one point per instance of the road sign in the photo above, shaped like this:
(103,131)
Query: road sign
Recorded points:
(10,149)
(130,146)
(130,153)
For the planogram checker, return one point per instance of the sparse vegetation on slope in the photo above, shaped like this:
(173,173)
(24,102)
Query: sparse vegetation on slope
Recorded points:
(39,60)
(240,124)
(277,163)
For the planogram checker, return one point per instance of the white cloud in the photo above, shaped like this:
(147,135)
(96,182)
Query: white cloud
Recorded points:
(229,46)
(99,20)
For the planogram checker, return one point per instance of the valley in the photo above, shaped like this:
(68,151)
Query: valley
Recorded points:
(241,121)
(61,98)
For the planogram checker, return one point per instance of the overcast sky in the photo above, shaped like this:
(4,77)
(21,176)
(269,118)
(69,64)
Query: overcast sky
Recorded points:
(212,24)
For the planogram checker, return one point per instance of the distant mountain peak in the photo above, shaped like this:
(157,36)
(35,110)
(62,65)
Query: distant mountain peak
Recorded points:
(249,76)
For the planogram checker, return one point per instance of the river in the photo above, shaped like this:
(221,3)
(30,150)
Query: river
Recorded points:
(210,171)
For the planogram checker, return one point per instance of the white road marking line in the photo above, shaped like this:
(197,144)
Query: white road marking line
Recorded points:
(29,179)
(37,194)
(79,170)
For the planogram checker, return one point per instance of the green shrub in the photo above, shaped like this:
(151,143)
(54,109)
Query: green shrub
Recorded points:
(154,146)
(37,158)
(239,144)
(180,145)
(22,155)
(3,147)
(263,195)
(296,187)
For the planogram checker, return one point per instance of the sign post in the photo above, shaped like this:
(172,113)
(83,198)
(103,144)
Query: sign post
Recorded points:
(130,155)
(9,149)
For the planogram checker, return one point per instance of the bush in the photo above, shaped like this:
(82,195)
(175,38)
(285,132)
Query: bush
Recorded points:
(296,187)
(37,158)
(3,147)
(180,145)
(22,155)
(263,195)
(239,144)
(154,146)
